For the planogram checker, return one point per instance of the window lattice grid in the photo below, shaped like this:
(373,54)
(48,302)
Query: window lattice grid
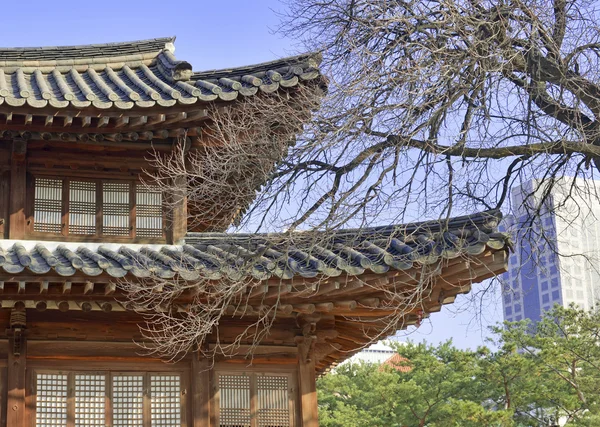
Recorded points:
(128,400)
(148,211)
(115,209)
(165,405)
(47,205)
(90,395)
(234,400)
(273,401)
(82,207)
(51,401)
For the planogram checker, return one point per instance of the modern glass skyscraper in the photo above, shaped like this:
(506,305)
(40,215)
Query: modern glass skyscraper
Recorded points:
(556,258)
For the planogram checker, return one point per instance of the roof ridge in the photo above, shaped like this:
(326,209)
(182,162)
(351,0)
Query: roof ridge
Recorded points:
(112,49)
(313,59)
(108,44)
(484,220)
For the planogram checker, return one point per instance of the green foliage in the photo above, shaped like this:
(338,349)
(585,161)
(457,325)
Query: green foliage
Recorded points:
(534,377)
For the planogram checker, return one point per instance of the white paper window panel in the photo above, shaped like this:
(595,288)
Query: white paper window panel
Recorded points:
(234,400)
(47,205)
(128,400)
(273,401)
(51,400)
(82,207)
(115,209)
(148,211)
(90,400)
(165,400)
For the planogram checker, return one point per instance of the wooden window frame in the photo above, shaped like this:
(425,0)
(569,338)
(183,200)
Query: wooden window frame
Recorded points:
(254,373)
(108,402)
(64,235)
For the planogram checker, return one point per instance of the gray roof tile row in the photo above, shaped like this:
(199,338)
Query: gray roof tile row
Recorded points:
(259,256)
(136,74)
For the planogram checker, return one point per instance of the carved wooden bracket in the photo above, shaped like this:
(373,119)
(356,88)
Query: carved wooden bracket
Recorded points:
(18,323)
(19,149)
(306,343)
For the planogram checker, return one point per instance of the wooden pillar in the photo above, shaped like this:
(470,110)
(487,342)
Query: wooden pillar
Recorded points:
(179,215)
(18,175)
(17,355)
(307,384)
(201,391)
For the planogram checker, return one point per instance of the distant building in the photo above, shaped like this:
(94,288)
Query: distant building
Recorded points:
(537,277)
(376,353)
(396,362)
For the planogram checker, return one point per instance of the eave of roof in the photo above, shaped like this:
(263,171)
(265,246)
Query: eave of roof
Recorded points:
(135,74)
(217,255)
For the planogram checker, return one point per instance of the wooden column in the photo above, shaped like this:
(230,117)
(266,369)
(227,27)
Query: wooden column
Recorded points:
(17,355)
(307,383)
(18,174)
(201,392)
(179,215)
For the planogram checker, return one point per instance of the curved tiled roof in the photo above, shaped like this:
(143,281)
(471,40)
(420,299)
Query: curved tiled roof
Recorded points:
(135,74)
(217,255)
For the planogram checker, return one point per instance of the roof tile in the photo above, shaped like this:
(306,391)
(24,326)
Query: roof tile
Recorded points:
(147,74)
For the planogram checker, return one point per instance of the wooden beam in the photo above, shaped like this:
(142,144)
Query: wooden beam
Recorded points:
(86,121)
(48,121)
(304,308)
(201,391)
(308,390)
(278,291)
(259,290)
(138,121)
(67,121)
(15,416)
(88,288)
(179,212)
(28,119)
(66,288)
(173,118)
(18,190)
(121,121)
(324,307)
(44,287)
(159,118)
(109,289)
(103,121)
(106,307)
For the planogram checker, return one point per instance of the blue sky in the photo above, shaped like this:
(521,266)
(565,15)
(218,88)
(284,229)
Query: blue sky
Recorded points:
(215,34)
(210,35)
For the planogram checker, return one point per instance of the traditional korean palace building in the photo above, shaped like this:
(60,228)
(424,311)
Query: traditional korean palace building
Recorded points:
(76,126)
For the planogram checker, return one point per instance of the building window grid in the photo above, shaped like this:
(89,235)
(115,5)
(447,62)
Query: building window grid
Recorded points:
(82,202)
(84,394)
(242,396)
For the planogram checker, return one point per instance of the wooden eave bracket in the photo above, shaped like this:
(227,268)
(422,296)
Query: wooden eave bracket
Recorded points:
(19,149)
(306,342)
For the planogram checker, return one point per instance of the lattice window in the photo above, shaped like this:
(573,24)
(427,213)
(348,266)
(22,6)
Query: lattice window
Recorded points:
(51,400)
(255,399)
(115,209)
(128,400)
(273,401)
(99,399)
(149,213)
(125,209)
(234,400)
(82,207)
(47,205)
(90,396)
(165,396)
